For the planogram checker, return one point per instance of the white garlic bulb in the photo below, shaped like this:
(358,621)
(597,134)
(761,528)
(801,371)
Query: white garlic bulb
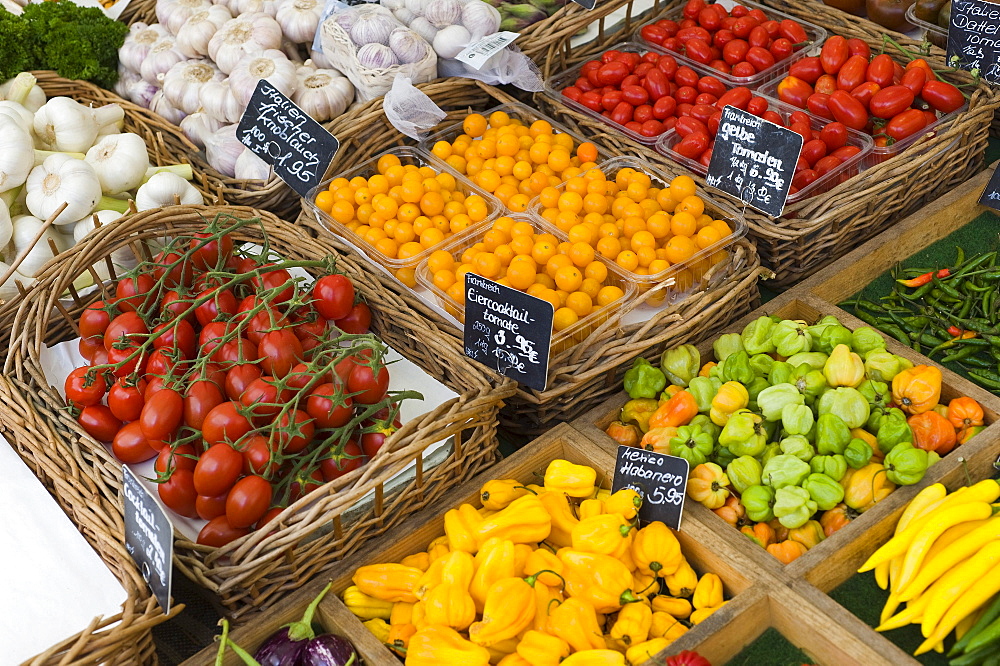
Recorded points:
(250,167)
(319,59)
(299,19)
(373,28)
(223,149)
(423,27)
(404,15)
(219,102)
(271,65)
(249,34)
(162,56)
(408,46)
(199,125)
(197,31)
(322,93)
(480,19)
(138,42)
(183,82)
(162,106)
(377,56)
(126,77)
(141,92)
(443,13)
(173,13)
(450,41)
(268,7)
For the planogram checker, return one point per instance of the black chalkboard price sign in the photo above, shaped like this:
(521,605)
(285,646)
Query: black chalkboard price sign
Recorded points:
(586,4)
(659,478)
(974,37)
(991,194)
(754,160)
(508,330)
(281,134)
(149,537)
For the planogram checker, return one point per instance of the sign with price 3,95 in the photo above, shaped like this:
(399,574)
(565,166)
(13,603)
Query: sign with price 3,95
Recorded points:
(660,479)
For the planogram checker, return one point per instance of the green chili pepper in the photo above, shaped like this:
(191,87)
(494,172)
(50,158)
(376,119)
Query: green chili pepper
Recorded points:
(987,378)
(963,353)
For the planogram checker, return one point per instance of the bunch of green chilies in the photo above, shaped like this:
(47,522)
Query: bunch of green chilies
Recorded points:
(951,315)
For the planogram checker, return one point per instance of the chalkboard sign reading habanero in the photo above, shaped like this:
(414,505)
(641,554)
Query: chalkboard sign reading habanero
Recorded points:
(660,479)
(284,136)
(754,160)
(974,37)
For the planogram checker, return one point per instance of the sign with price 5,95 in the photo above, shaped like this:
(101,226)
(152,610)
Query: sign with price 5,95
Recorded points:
(660,479)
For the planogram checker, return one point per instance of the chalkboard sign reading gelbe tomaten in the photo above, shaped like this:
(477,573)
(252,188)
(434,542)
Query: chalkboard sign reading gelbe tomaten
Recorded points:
(284,136)
(149,537)
(754,160)
(991,194)
(660,479)
(508,331)
(974,37)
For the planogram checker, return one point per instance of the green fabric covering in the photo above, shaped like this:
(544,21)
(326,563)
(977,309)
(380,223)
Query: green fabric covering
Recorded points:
(770,649)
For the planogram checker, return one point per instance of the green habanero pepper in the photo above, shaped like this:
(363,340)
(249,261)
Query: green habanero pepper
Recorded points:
(847,403)
(834,467)
(642,380)
(858,453)
(833,336)
(743,434)
(737,368)
(784,470)
(832,434)
(692,444)
(905,464)
(781,373)
(798,446)
(722,456)
(866,339)
(639,412)
(893,431)
(815,360)
(744,472)
(797,419)
(770,451)
(789,337)
(876,393)
(726,345)
(774,399)
(759,503)
(707,426)
(681,364)
(703,389)
(810,383)
(754,389)
(823,490)
(793,507)
(756,337)
(761,364)
(881,366)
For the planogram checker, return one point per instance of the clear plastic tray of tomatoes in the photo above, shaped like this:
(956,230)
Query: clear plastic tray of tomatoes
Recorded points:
(682,277)
(451,299)
(815,172)
(739,55)
(846,80)
(401,267)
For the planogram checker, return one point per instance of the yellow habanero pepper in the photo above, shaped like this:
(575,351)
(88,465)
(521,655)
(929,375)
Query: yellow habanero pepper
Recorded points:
(438,548)
(509,610)
(662,624)
(708,592)
(461,525)
(702,614)
(731,397)
(678,608)
(632,625)
(656,550)
(418,561)
(628,560)
(449,603)
(364,606)
(388,582)
(435,645)
(546,596)
(561,517)
(514,659)
(525,520)
(418,618)
(544,563)
(501,650)
(645,586)
(682,582)
(603,494)
(608,534)
(566,477)
(431,577)
(595,658)
(399,637)
(379,629)
(494,561)
(522,552)
(541,649)
(643,652)
(575,621)
(603,581)
(402,613)
(625,502)
(498,493)
(590,508)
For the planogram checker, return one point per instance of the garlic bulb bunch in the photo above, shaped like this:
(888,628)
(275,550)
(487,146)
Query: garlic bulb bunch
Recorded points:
(174,13)
(197,31)
(120,162)
(64,124)
(449,41)
(271,65)
(161,105)
(184,81)
(219,102)
(298,19)
(322,93)
(223,149)
(142,92)
(21,115)
(407,45)
(199,125)
(376,56)
(62,179)
(423,27)
(450,25)
(249,34)
(480,19)
(138,42)
(126,78)
(16,154)
(268,7)
(162,56)
(443,13)
(373,27)
(163,189)
(250,167)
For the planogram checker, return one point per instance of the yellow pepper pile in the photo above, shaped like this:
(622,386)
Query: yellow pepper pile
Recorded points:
(540,575)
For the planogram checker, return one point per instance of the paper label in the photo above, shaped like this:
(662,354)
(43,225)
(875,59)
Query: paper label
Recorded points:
(476,55)
(660,479)
(149,537)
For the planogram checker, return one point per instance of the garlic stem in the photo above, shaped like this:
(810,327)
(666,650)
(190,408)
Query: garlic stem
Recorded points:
(110,203)
(110,115)
(40,155)
(21,87)
(182,170)
(10,197)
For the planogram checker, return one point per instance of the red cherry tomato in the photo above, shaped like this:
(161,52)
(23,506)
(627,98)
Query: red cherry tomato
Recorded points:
(781,49)
(297,436)
(224,423)
(329,407)
(737,97)
(793,90)
(258,457)
(358,321)
(852,74)
(807,69)
(891,101)
(262,398)
(337,465)
(834,54)
(127,328)
(611,74)
(813,151)
(210,252)
(130,446)
(848,110)
(131,292)
(906,124)
(210,507)
(792,31)
(693,145)
(880,70)
(760,58)
(85,386)
(818,104)
(181,456)
(757,106)
(942,96)
(654,34)
(859,47)
(370,386)
(99,422)
(178,272)
(125,399)
(279,351)
(698,50)
(162,414)
(178,493)
(94,320)
(834,135)
(218,532)
(248,501)
(914,79)
(276,280)
(217,470)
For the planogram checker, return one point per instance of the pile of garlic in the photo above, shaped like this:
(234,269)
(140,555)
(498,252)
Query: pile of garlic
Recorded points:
(448,25)
(199,66)
(59,152)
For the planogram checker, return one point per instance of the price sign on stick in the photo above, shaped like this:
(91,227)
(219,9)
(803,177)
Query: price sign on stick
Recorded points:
(586,4)
(281,134)
(974,37)
(149,537)
(508,330)
(991,194)
(660,479)
(754,160)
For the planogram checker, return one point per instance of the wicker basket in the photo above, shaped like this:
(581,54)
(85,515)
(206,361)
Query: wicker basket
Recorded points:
(139,10)
(823,228)
(125,638)
(255,570)
(571,19)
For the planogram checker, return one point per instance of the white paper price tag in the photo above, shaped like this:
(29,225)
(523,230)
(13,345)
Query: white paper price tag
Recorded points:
(476,55)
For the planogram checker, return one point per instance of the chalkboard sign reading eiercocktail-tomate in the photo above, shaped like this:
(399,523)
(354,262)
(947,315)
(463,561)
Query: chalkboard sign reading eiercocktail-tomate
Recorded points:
(149,537)
(974,37)
(284,136)
(660,479)
(508,331)
(754,160)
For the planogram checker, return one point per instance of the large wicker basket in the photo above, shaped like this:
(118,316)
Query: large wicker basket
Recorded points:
(822,228)
(585,374)
(255,570)
(124,638)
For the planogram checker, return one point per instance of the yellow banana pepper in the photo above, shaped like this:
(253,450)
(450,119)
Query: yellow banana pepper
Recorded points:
(461,525)
(575,621)
(525,520)
(566,477)
(417,561)
(701,614)
(682,582)
(438,548)
(544,563)
(509,610)
(402,613)
(643,652)
(603,581)
(388,582)
(399,637)
(494,561)
(435,645)
(379,629)
(595,658)
(656,550)
(625,502)
(608,534)
(364,606)
(590,508)
(541,649)
(633,623)
(678,608)
(708,592)
(561,517)
(498,493)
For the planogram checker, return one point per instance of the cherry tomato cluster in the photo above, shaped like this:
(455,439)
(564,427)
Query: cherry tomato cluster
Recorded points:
(741,42)
(872,94)
(248,387)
